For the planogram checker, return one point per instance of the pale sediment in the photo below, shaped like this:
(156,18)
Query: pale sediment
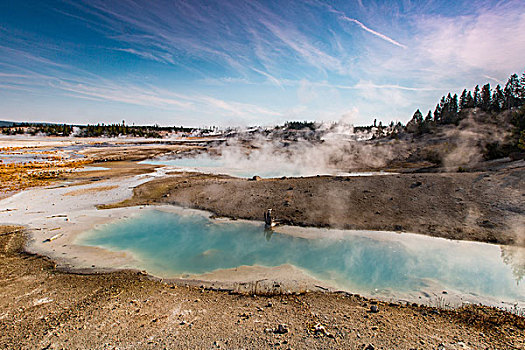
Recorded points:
(56,216)
(44,308)
(62,213)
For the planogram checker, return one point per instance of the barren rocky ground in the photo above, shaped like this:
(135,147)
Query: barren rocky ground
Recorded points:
(480,206)
(44,308)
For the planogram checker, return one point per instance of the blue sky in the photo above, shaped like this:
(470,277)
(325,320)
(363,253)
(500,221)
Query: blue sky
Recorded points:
(201,63)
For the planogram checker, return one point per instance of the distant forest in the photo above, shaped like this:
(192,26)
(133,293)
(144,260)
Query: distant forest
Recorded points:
(502,107)
(98,130)
(493,103)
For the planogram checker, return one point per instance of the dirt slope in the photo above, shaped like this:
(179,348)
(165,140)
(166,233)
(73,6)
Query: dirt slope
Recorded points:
(484,206)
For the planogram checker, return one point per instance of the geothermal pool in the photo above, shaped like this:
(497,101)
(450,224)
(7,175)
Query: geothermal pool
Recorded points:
(168,244)
(247,167)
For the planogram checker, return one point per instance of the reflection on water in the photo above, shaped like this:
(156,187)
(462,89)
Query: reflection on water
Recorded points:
(515,258)
(168,244)
(268,232)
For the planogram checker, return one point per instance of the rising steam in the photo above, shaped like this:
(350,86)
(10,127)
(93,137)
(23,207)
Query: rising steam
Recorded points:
(335,153)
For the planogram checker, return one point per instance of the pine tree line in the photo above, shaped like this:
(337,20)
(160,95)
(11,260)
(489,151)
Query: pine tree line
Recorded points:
(451,109)
(98,130)
(33,129)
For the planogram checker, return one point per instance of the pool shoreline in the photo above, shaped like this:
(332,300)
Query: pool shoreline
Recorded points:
(298,279)
(72,215)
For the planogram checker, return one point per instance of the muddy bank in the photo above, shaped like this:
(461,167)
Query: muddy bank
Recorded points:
(483,206)
(42,307)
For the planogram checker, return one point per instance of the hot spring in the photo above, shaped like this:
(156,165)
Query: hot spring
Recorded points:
(248,167)
(169,244)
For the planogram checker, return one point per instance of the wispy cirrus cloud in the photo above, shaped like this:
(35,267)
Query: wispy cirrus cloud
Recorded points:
(163,58)
(150,96)
(270,77)
(97,88)
(12,54)
(341,15)
(491,40)
(449,52)
(243,37)
(258,60)
(301,46)
(379,35)
(164,29)
(129,94)
(237,108)
(212,34)
(382,36)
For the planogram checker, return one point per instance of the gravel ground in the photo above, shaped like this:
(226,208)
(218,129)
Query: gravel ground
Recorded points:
(481,206)
(44,308)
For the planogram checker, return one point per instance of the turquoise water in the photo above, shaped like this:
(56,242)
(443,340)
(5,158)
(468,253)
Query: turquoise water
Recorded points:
(169,244)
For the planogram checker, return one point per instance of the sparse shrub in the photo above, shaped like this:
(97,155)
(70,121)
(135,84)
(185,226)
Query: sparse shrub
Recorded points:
(433,156)
(495,150)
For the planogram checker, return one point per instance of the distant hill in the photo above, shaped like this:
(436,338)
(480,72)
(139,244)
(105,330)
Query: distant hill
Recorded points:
(5,123)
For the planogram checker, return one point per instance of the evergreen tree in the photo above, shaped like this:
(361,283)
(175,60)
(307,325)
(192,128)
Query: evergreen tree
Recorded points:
(469,100)
(417,117)
(512,92)
(521,90)
(450,110)
(454,104)
(476,97)
(428,118)
(414,125)
(498,99)
(463,100)
(426,124)
(438,112)
(454,109)
(486,97)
